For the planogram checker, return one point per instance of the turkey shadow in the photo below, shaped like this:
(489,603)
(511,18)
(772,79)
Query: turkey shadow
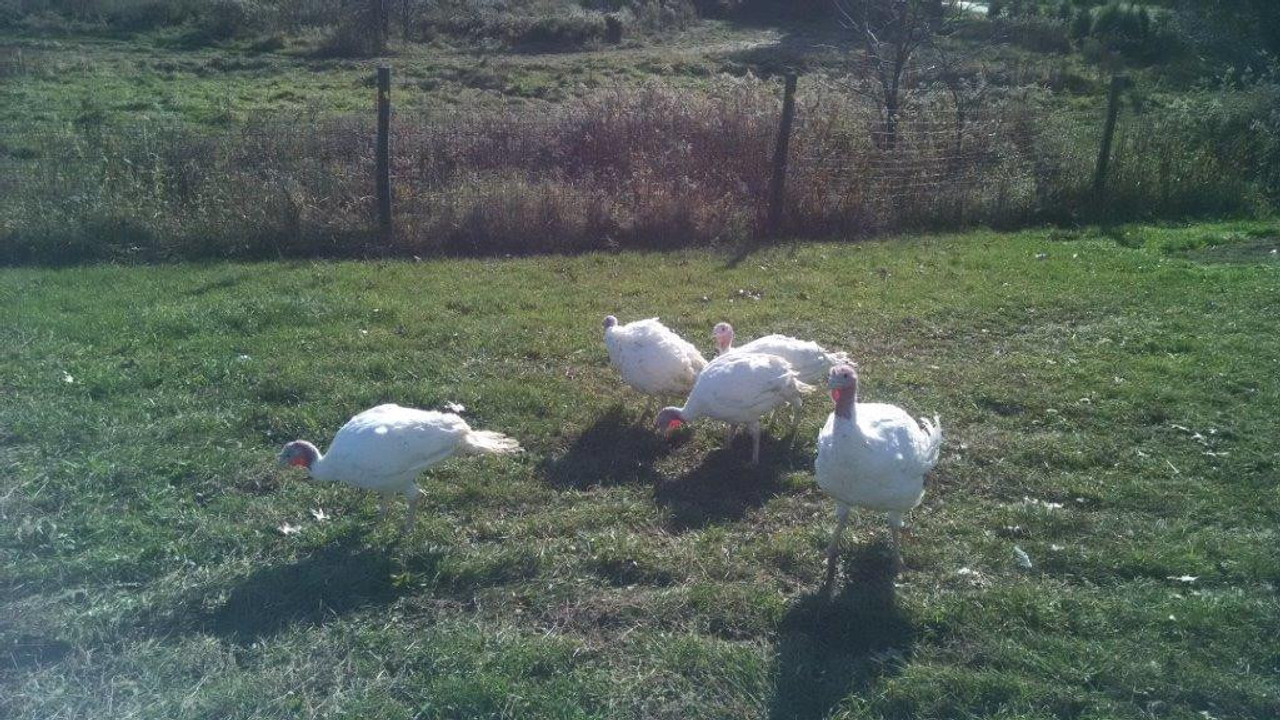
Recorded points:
(617,449)
(724,487)
(331,581)
(829,649)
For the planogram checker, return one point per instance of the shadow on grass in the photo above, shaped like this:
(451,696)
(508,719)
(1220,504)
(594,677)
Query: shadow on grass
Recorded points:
(1244,252)
(743,252)
(331,581)
(222,283)
(23,651)
(803,45)
(724,487)
(828,650)
(620,448)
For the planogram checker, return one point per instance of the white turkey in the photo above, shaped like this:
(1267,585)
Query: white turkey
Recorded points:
(809,359)
(651,358)
(385,448)
(874,456)
(739,389)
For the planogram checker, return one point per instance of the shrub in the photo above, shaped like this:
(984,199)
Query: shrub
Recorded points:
(358,34)
(613,28)
(222,19)
(218,20)
(799,9)
(567,31)
(1131,31)
(10,13)
(1082,25)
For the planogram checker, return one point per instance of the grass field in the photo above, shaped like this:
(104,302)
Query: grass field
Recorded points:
(131,81)
(1108,400)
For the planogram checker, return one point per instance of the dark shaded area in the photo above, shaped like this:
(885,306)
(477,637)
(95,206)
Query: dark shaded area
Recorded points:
(330,582)
(724,487)
(25,651)
(747,248)
(222,283)
(802,47)
(628,571)
(619,448)
(828,649)
(1001,407)
(743,252)
(1252,250)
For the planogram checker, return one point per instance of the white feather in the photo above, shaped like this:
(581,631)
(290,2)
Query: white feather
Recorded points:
(385,448)
(741,387)
(652,359)
(809,359)
(878,459)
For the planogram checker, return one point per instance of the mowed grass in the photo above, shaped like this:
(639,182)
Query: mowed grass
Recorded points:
(1109,403)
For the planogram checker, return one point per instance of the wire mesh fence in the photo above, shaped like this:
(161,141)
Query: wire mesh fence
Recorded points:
(647,167)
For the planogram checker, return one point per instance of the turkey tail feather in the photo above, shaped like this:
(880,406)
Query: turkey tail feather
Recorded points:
(933,443)
(485,442)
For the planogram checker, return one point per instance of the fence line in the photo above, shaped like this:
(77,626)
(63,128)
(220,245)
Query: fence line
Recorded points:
(650,167)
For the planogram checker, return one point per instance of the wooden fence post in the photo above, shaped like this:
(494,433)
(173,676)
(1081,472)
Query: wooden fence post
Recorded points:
(778,182)
(1118,83)
(382,173)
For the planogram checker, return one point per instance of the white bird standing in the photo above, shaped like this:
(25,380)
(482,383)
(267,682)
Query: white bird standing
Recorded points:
(385,448)
(651,358)
(874,456)
(809,359)
(739,388)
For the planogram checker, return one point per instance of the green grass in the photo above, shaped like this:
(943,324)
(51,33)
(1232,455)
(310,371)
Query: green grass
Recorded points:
(1109,405)
(126,80)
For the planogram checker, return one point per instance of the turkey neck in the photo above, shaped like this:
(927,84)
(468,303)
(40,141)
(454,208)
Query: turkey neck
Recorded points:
(315,469)
(846,398)
(691,411)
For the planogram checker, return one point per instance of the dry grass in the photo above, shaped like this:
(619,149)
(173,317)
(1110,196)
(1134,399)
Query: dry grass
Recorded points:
(639,168)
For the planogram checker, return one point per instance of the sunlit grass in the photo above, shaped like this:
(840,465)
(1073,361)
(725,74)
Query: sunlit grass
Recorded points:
(1108,404)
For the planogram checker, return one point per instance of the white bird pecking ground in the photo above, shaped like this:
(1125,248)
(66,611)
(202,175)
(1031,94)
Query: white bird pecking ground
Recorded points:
(385,448)
(739,388)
